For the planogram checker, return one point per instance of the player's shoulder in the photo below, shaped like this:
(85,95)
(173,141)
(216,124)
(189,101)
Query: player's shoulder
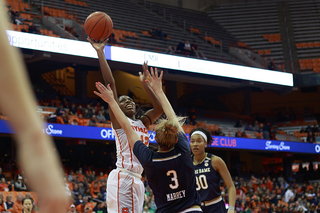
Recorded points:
(209,156)
(215,159)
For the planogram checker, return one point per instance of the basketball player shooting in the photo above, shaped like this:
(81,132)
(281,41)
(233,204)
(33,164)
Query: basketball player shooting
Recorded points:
(125,190)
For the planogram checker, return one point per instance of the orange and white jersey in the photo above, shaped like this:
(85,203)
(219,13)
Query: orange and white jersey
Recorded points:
(125,157)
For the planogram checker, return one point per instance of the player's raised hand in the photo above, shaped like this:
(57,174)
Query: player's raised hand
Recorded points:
(105,92)
(143,76)
(97,45)
(155,81)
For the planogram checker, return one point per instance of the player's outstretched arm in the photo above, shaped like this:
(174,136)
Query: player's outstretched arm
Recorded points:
(107,95)
(157,110)
(107,75)
(221,167)
(155,82)
(35,149)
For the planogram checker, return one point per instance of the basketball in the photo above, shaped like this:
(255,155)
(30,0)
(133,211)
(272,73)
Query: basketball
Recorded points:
(98,26)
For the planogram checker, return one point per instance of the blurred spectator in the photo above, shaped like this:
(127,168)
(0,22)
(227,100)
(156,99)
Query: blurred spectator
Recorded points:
(255,126)
(17,206)
(52,118)
(311,138)
(303,130)
(170,50)
(78,199)
(19,185)
(106,113)
(82,121)
(60,110)
(81,188)
(1,175)
(9,202)
(95,189)
(83,205)
(65,118)
(238,133)
(87,193)
(33,29)
(72,209)
(145,209)
(18,18)
(160,34)
(56,102)
(153,31)
(273,133)
(238,124)
(289,195)
(180,47)
(309,128)
(3,206)
(73,110)
(266,131)
(86,114)
(11,14)
(93,112)
(244,134)
(87,210)
(81,175)
(112,39)
(219,132)
(98,107)
(156,32)
(192,116)
(270,65)
(195,49)
(92,176)
(248,127)
(101,118)
(187,48)
(3,185)
(80,110)
(93,121)
(99,209)
(74,122)
(315,128)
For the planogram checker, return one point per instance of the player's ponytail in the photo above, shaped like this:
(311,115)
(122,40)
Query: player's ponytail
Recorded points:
(167,132)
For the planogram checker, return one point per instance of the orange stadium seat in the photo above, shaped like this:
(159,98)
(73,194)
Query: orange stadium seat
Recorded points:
(144,32)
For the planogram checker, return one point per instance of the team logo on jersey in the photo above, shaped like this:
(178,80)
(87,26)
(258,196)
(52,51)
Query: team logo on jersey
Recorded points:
(206,164)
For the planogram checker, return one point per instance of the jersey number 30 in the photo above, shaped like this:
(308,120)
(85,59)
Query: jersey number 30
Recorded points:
(174,179)
(201,182)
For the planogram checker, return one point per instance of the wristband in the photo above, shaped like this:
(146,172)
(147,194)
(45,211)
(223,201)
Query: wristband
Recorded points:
(231,208)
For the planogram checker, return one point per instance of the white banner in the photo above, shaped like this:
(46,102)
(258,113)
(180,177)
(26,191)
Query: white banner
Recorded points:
(51,44)
(84,49)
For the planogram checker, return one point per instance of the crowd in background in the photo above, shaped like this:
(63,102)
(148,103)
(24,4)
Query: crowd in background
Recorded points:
(95,113)
(269,193)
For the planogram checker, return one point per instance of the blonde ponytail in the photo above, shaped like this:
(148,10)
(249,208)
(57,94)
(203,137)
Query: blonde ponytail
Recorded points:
(167,131)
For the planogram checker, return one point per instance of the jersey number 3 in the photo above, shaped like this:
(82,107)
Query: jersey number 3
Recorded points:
(201,182)
(173,179)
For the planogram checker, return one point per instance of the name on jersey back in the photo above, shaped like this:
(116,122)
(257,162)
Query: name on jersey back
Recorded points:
(176,195)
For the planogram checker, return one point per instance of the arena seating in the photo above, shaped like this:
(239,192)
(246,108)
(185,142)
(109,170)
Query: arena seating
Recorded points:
(254,24)
(306,31)
(136,20)
(196,22)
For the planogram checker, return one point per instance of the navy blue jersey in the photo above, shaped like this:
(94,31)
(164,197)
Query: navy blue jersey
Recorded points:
(170,175)
(207,179)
